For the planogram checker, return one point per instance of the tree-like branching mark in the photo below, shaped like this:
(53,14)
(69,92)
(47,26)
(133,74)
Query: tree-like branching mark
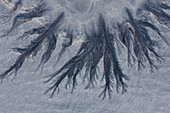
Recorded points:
(136,32)
(157,8)
(99,46)
(22,18)
(48,35)
(34,31)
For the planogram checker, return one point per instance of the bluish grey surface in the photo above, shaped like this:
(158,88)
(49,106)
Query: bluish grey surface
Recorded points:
(146,93)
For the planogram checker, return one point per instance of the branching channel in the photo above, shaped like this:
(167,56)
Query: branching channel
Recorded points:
(98,46)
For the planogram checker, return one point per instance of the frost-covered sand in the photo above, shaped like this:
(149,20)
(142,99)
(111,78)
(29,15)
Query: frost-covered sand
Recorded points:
(147,92)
